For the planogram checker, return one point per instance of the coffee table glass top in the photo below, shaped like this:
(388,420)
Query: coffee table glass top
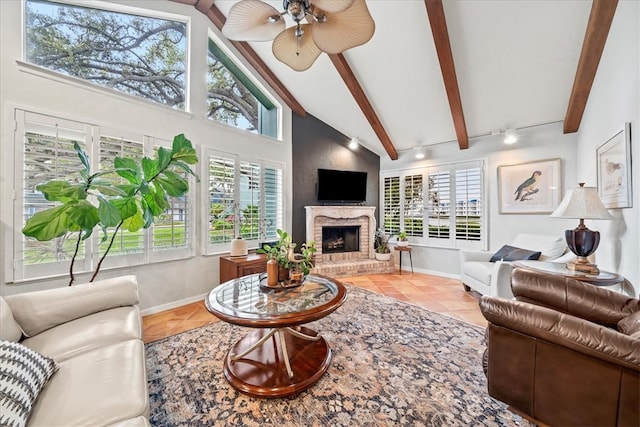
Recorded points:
(244,301)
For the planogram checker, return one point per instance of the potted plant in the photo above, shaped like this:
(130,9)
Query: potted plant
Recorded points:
(290,263)
(382,252)
(402,239)
(129,196)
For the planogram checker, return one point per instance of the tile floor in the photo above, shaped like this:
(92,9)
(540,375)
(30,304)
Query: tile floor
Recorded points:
(434,293)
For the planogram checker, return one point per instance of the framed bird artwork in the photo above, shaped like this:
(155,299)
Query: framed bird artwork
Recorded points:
(530,188)
(614,170)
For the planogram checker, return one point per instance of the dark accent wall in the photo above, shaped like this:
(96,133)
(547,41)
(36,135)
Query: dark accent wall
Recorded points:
(318,145)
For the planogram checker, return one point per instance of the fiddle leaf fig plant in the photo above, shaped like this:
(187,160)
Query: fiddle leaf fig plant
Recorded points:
(129,196)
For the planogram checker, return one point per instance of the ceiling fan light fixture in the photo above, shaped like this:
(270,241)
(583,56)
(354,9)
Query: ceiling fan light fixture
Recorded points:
(299,53)
(344,30)
(253,20)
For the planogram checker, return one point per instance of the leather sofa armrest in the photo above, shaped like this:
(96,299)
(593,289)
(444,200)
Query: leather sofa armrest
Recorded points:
(482,256)
(41,310)
(572,296)
(564,330)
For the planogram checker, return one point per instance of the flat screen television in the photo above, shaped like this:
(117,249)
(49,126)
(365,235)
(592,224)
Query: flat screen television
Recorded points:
(342,186)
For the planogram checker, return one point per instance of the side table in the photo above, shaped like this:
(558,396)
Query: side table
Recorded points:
(604,278)
(404,249)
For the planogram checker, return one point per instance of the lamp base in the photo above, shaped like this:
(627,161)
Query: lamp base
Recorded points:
(583,265)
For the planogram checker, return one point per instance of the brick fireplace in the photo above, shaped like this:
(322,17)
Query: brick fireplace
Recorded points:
(361,217)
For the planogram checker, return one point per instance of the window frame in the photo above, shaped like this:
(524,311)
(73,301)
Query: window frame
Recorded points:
(221,247)
(253,85)
(451,241)
(34,68)
(18,271)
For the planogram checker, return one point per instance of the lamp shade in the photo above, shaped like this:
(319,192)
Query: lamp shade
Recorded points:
(582,203)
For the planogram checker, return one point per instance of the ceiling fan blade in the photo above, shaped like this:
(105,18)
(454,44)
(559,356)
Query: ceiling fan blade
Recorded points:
(344,30)
(248,20)
(332,5)
(299,53)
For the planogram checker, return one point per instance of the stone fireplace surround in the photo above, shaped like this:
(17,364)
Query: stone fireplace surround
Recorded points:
(363,216)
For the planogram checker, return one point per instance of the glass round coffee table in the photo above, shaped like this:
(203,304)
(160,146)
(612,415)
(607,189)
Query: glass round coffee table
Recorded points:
(280,357)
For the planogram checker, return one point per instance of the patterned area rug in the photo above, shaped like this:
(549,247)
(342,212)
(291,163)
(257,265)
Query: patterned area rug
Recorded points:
(394,364)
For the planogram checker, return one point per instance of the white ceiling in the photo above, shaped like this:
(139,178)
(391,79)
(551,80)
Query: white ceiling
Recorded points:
(515,62)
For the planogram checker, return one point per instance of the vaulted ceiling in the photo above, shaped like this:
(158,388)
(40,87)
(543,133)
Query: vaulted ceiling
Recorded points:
(441,71)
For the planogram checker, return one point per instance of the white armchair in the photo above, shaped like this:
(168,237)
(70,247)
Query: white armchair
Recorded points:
(494,278)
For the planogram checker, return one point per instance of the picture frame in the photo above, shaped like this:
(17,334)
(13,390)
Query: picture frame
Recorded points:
(530,188)
(614,170)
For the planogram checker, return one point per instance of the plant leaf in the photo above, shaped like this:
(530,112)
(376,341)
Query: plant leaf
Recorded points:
(62,191)
(134,222)
(181,165)
(126,206)
(108,213)
(149,168)
(48,224)
(109,190)
(173,184)
(183,150)
(164,158)
(128,169)
(83,157)
(84,215)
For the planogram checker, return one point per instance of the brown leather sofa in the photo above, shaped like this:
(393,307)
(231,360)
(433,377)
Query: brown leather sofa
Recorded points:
(564,353)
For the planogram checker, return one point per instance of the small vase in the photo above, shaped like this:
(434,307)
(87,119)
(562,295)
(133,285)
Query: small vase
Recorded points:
(283,274)
(272,273)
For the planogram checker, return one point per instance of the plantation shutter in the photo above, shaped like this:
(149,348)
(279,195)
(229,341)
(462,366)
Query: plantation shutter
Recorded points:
(127,247)
(439,203)
(45,153)
(249,212)
(273,216)
(391,204)
(470,216)
(221,208)
(413,205)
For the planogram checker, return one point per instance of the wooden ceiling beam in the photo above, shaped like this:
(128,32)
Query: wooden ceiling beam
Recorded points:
(435,12)
(600,20)
(340,62)
(213,13)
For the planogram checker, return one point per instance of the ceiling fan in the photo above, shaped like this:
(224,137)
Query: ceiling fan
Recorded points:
(330,26)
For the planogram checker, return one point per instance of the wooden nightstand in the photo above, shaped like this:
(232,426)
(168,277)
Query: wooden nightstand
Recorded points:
(234,267)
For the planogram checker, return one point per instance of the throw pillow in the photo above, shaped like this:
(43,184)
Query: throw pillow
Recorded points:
(23,373)
(630,325)
(511,253)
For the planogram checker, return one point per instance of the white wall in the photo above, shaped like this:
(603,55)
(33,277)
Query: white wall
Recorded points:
(163,283)
(614,100)
(535,143)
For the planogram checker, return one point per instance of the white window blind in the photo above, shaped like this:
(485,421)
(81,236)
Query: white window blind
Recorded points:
(447,199)
(246,198)
(413,205)
(44,152)
(391,204)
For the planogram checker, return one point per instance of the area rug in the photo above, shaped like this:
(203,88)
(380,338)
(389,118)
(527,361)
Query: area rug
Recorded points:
(394,364)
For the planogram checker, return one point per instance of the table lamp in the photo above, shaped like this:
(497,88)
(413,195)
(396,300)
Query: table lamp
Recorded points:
(582,203)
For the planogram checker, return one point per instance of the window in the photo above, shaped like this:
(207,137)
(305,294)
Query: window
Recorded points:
(45,151)
(452,200)
(234,99)
(138,55)
(245,199)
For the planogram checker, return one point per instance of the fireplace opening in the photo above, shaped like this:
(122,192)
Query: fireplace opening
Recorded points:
(340,239)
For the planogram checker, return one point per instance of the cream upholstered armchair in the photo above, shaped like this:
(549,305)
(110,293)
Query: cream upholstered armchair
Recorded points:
(478,271)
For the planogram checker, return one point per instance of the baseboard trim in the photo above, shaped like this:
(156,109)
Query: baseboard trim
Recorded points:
(431,272)
(172,305)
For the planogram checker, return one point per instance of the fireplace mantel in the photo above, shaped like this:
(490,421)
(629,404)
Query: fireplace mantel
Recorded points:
(347,213)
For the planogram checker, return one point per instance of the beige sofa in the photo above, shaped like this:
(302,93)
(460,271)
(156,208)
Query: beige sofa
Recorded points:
(93,331)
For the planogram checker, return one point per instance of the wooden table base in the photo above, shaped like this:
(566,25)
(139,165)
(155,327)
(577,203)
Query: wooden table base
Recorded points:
(262,372)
